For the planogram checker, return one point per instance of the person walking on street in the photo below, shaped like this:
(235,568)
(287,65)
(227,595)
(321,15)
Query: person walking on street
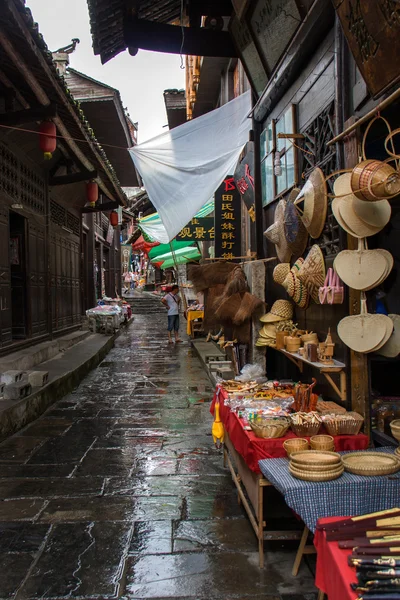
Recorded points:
(172,301)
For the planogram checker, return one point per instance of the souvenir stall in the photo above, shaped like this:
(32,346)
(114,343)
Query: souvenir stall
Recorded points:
(301,431)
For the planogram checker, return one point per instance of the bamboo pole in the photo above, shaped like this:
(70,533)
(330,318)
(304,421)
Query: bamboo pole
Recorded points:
(366,117)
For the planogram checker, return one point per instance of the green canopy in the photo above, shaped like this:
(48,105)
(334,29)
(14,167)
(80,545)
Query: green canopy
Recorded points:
(186,251)
(180,260)
(165,248)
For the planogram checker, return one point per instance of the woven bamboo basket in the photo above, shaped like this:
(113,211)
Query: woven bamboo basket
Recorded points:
(269,428)
(295,445)
(395,427)
(322,442)
(340,426)
(306,429)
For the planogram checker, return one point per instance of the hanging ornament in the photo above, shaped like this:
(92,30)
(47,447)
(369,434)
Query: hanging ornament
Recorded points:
(114,218)
(47,139)
(92,193)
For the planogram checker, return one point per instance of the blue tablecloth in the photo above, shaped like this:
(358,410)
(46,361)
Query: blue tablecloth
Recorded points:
(346,496)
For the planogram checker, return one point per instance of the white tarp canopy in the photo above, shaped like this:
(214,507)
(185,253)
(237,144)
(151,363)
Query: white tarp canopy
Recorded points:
(183,167)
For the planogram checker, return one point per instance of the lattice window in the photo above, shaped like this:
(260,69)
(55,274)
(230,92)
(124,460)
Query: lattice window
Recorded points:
(9,173)
(57,213)
(317,135)
(73,223)
(20,182)
(32,190)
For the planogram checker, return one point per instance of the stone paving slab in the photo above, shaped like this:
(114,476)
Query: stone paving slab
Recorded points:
(117,491)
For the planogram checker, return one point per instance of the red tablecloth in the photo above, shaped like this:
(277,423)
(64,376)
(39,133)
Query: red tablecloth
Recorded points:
(333,575)
(253,449)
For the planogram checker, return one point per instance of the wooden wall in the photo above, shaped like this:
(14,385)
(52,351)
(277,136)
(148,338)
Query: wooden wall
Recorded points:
(313,93)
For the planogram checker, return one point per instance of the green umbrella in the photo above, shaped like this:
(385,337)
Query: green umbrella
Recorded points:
(165,248)
(186,251)
(180,260)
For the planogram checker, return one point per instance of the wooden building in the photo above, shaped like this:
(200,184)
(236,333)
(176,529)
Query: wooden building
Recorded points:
(319,70)
(112,126)
(41,201)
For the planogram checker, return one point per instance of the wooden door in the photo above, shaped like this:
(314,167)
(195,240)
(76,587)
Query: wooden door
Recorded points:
(37,280)
(5,281)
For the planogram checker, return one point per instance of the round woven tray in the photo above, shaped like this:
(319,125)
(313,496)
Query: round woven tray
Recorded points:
(397,451)
(316,457)
(315,468)
(270,430)
(371,463)
(321,476)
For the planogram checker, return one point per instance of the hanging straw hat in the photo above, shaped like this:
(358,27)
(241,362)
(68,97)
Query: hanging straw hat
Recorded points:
(276,233)
(314,196)
(281,310)
(280,273)
(295,232)
(312,272)
(345,207)
(295,288)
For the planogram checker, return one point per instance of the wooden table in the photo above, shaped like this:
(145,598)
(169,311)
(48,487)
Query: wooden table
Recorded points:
(254,484)
(192,315)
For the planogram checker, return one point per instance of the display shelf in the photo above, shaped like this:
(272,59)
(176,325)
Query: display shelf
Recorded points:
(326,370)
(383,438)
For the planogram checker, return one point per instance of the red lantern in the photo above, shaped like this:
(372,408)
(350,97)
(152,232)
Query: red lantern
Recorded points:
(92,193)
(47,139)
(114,218)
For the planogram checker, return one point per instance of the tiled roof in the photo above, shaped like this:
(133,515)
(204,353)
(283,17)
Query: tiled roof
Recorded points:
(107,22)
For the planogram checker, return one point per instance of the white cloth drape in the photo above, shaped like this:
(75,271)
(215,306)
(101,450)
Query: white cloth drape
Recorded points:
(183,167)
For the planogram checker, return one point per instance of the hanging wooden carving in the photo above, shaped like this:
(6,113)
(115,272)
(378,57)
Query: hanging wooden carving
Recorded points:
(372,29)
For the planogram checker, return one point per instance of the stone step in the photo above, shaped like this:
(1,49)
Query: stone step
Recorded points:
(28,358)
(67,341)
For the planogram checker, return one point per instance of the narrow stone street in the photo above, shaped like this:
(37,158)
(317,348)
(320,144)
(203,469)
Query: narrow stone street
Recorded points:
(118,492)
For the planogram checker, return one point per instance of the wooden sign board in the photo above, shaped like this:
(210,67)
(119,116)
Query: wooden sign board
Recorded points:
(227,220)
(199,230)
(244,175)
(372,30)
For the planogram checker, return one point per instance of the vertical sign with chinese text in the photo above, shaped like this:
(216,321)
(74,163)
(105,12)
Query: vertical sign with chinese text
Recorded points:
(227,220)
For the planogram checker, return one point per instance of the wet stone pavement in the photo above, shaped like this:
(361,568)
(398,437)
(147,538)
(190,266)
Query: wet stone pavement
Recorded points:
(117,490)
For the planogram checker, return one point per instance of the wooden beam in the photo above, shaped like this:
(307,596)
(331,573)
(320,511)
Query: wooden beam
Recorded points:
(101,207)
(7,83)
(30,115)
(72,178)
(158,37)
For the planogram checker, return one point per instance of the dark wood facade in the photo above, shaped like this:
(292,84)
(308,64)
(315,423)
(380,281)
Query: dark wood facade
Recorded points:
(40,253)
(42,262)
